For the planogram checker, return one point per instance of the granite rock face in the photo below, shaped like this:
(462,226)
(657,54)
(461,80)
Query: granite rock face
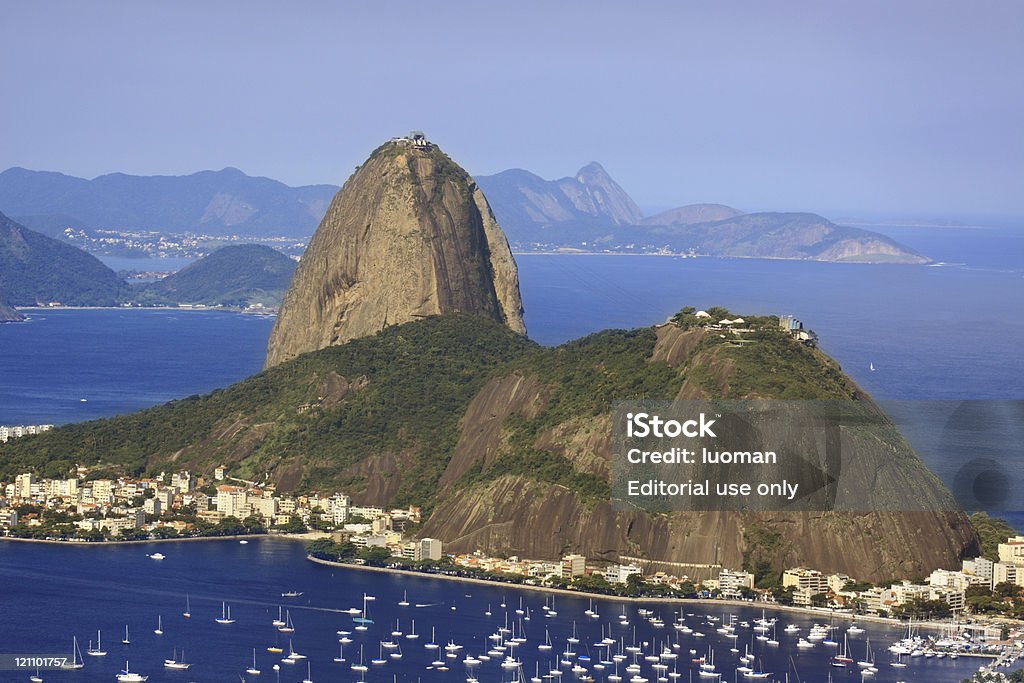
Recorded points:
(409,235)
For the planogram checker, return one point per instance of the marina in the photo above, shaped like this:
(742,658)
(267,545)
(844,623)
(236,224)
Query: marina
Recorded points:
(352,625)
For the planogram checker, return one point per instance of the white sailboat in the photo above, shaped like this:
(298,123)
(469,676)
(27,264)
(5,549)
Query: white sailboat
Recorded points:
(432,645)
(76,656)
(159,630)
(309,673)
(279,622)
(175,663)
(252,670)
(225,614)
(412,635)
(288,626)
(404,602)
(363,619)
(188,609)
(360,666)
(126,640)
(37,678)
(97,651)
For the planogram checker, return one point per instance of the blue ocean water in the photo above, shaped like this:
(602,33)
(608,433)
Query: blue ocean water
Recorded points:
(48,599)
(119,361)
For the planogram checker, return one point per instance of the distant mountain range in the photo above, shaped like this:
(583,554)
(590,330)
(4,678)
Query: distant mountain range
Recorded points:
(590,212)
(587,212)
(211,202)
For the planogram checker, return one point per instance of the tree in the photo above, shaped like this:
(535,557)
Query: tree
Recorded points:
(253,525)
(1007,590)
(375,557)
(294,525)
(819,600)
(783,596)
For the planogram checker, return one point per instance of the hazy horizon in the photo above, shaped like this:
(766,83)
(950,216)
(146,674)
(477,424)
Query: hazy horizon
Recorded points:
(873,108)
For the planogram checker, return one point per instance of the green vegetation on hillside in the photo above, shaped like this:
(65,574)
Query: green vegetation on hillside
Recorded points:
(234,276)
(36,269)
(412,384)
(385,411)
(991,531)
(585,378)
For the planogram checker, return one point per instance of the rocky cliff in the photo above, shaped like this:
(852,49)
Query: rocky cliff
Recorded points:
(9,314)
(409,235)
(487,502)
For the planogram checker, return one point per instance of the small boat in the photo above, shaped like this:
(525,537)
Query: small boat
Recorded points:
(37,678)
(288,626)
(76,656)
(309,673)
(404,602)
(128,676)
(188,608)
(292,654)
(871,366)
(159,630)
(252,670)
(243,542)
(126,640)
(157,556)
(360,666)
(225,615)
(279,622)
(291,594)
(175,663)
(97,651)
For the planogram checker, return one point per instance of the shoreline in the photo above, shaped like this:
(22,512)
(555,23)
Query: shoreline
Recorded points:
(684,257)
(727,602)
(208,309)
(78,544)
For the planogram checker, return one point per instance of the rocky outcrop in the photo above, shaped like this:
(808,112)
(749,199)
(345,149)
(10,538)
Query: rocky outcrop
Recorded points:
(410,235)
(9,314)
(592,191)
(898,500)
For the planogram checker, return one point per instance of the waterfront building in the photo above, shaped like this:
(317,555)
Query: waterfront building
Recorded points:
(730,582)
(430,549)
(573,565)
(837,582)
(942,578)
(620,573)
(981,569)
(808,579)
(232,501)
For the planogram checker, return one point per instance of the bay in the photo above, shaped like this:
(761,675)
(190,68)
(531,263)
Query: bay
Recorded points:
(52,592)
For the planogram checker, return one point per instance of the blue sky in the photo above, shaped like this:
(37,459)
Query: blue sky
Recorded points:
(865,106)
